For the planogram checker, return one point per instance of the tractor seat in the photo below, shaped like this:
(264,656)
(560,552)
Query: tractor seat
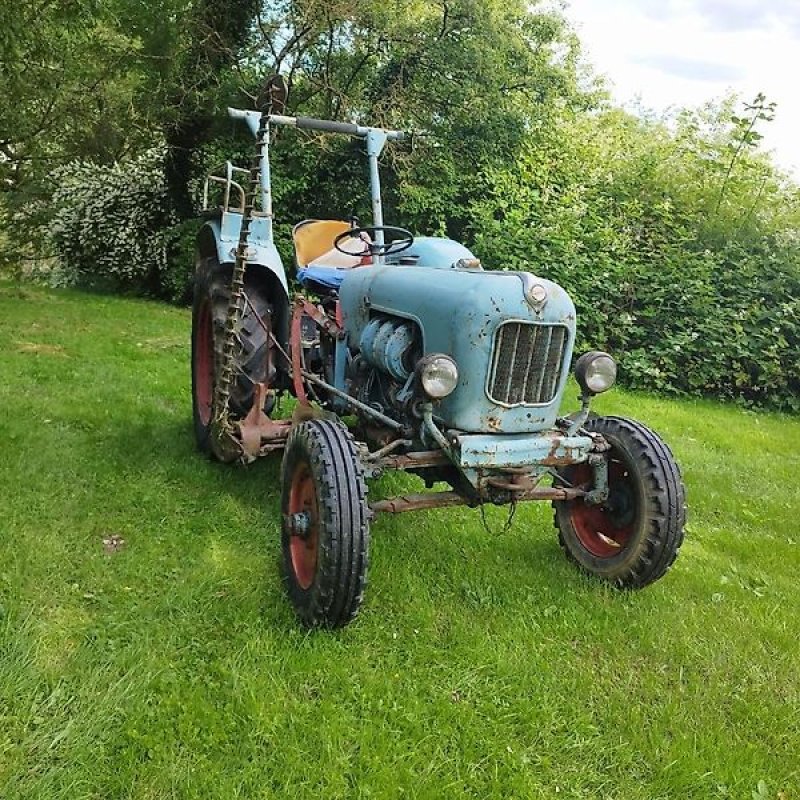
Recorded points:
(320,266)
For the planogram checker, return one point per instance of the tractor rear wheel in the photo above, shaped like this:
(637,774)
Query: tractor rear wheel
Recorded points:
(325,530)
(254,363)
(633,537)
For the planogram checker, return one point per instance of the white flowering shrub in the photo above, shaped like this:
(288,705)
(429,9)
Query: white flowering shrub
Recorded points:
(111,227)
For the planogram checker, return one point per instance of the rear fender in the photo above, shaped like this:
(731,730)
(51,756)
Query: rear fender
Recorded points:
(219,237)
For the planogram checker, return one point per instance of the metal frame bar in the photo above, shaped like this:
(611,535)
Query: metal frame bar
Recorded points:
(228,182)
(417,502)
(376,140)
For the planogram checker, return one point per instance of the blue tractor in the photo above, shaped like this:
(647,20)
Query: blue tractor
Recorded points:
(440,368)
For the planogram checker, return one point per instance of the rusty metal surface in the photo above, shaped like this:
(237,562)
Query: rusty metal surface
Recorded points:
(561,455)
(549,449)
(330,326)
(422,458)
(419,502)
(296,352)
(258,433)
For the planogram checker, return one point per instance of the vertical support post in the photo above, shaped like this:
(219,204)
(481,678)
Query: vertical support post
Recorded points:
(266,182)
(599,492)
(340,373)
(375,142)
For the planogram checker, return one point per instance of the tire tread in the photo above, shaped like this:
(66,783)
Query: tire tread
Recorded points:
(335,596)
(665,504)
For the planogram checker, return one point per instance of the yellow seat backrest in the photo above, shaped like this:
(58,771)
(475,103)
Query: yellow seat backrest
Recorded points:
(314,237)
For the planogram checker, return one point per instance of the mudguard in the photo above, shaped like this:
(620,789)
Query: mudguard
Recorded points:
(219,236)
(224,230)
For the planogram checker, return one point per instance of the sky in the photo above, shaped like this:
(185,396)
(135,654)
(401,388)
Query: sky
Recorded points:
(673,53)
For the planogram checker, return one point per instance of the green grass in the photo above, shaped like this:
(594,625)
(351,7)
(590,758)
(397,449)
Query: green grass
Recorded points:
(482,665)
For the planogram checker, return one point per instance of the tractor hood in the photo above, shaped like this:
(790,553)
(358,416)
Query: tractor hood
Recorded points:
(512,350)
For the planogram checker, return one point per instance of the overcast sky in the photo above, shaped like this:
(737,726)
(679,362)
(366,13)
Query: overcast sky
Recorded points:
(684,52)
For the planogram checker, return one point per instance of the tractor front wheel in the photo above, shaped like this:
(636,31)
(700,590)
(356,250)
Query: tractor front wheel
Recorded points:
(633,537)
(325,530)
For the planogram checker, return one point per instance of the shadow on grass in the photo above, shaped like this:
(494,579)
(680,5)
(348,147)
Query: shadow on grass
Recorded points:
(168,446)
(444,542)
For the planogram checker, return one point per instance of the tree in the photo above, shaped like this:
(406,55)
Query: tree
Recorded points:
(474,77)
(102,79)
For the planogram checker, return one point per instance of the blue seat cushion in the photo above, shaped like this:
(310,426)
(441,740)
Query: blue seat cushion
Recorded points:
(316,277)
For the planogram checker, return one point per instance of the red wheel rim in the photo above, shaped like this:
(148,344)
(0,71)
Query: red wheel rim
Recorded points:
(204,363)
(606,529)
(304,547)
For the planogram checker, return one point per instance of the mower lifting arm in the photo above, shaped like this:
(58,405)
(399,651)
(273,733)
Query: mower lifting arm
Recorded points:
(253,119)
(376,138)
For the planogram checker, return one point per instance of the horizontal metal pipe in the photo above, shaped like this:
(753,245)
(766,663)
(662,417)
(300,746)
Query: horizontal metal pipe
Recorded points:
(253,119)
(418,502)
(415,460)
(387,421)
(387,449)
(548,493)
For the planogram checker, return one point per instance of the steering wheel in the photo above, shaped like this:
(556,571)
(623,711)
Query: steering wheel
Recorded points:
(402,241)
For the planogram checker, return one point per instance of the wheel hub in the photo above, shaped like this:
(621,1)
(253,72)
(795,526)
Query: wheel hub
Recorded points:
(299,524)
(605,529)
(303,526)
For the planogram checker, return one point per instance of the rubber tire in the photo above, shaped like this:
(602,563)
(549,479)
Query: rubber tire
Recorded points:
(337,590)
(212,282)
(659,534)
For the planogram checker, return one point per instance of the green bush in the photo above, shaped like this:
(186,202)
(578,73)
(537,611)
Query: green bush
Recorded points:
(112,229)
(686,270)
(677,242)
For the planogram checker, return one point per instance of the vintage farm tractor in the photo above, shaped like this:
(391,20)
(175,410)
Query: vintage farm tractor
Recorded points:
(438,367)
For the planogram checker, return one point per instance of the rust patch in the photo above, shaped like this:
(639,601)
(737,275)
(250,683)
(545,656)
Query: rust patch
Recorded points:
(418,502)
(422,458)
(319,316)
(258,433)
(570,455)
(561,460)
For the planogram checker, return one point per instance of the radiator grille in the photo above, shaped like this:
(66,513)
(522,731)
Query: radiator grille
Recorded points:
(526,363)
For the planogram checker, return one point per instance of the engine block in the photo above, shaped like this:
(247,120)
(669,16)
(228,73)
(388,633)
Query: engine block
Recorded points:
(388,344)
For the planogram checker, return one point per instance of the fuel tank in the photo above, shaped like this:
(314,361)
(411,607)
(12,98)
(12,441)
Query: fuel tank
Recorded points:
(510,333)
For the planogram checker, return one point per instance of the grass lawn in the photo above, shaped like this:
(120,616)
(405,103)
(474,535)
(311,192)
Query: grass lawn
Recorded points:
(481,666)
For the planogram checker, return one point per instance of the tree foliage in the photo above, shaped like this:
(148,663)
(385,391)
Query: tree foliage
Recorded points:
(683,261)
(65,85)
(677,236)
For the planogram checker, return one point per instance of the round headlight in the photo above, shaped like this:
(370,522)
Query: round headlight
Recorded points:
(596,372)
(438,375)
